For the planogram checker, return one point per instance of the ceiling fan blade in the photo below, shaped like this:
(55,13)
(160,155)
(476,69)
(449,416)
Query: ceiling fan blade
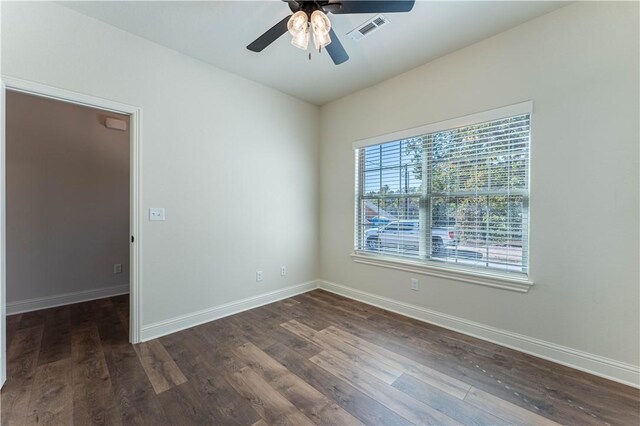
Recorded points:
(335,49)
(366,6)
(271,35)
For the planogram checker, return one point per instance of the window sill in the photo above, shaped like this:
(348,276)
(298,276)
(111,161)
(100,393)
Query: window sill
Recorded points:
(521,285)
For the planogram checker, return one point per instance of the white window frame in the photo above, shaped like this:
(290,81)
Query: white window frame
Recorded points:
(486,277)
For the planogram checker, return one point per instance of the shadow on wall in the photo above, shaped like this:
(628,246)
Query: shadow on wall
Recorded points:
(67,199)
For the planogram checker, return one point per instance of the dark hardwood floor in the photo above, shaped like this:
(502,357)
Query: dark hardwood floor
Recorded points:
(316,358)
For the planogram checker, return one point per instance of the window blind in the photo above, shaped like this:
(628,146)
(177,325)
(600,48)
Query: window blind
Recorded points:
(458,196)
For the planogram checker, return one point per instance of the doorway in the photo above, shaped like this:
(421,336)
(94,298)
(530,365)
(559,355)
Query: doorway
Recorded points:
(70,193)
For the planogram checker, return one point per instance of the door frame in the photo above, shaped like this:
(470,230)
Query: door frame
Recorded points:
(8,83)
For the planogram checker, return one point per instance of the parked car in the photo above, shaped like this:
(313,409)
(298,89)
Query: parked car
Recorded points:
(379,221)
(403,236)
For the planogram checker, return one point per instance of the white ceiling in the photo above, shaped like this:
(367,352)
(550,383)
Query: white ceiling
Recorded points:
(217,32)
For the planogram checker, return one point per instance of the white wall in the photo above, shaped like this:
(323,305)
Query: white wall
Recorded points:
(67,184)
(580,67)
(233,162)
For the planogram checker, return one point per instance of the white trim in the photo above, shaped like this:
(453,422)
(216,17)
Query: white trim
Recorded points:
(502,281)
(3,233)
(480,117)
(46,302)
(135,113)
(617,371)
(56,93)
(135,207)
(162,328)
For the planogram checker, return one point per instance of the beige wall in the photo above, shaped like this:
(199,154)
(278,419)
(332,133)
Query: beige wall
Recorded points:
(234,163)
(580,67)
(67,186)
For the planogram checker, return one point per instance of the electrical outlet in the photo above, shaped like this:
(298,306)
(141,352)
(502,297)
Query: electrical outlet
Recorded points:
(117,268)
(259,276)
(283,271)
(415,284)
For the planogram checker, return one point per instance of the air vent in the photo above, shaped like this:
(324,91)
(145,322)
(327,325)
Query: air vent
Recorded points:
(367,27)
(364,30)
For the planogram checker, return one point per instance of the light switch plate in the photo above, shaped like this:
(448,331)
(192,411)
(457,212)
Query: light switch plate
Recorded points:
(156,213)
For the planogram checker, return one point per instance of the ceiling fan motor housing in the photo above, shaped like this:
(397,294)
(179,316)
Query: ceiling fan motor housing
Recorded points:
(311,6)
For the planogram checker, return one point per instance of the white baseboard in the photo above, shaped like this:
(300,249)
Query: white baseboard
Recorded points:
(617,371)
(172,325)
(65,299)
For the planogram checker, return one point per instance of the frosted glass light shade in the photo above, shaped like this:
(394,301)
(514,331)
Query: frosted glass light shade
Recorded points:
(298,23)
(321,40)
(320,23)
(301,40)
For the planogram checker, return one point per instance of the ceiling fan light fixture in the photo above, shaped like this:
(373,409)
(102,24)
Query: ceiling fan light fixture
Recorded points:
(301,39)
(298,23)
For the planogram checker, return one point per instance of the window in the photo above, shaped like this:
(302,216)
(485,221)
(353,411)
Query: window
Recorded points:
(454,194)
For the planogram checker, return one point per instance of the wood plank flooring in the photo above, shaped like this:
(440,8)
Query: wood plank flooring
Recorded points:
(314,359)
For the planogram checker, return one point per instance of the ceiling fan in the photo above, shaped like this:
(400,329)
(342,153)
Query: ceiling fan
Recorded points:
(309,16)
